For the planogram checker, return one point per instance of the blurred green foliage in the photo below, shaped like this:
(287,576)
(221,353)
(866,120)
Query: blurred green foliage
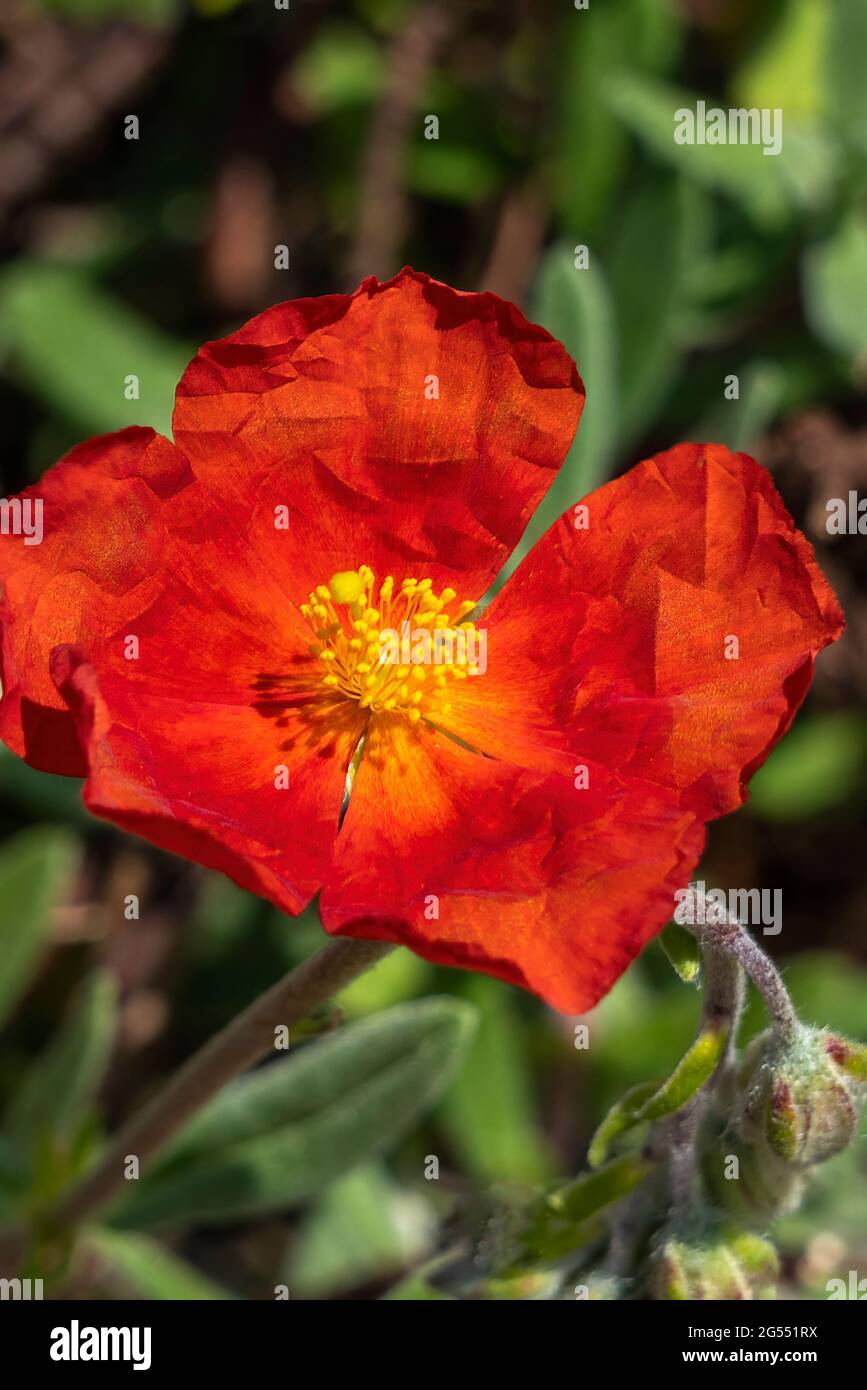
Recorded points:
(702,261)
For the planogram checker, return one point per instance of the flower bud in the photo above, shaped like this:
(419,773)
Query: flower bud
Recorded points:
(803,1097)
(713,1263)
(748,1181)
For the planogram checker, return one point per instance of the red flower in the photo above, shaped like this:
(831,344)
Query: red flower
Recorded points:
(174,638)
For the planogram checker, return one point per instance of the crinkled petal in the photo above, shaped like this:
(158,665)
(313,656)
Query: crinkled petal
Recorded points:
(673,636)
(407,426)
(477,863)
(98,565)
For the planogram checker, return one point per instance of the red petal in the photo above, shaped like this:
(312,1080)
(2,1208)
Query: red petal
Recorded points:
(628,622)
(532,880)
(187,730)
(97,566)
(320,405)
(199,778)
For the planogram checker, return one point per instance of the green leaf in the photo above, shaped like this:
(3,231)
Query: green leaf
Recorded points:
(342,66)
(62,1083)
(787,71)
(695,1068)
(592,1192)
(149,1269)
(739,423)
(576,307)
(363,1229)
(662,233)
(652,1102)
(36,867)
(74,346)
(590,147)
(770,188)
(452,173)
(620,1118)
(287,1131)
(683,951)
(846,88)
(835,289)
(490,1113)
(816,767)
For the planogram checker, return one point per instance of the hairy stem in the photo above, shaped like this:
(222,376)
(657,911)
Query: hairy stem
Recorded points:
(729,937)
(245,1040)
(721,1011)
(723,997)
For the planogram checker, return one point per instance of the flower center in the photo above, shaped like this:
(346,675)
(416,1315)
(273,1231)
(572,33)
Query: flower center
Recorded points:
(391,649)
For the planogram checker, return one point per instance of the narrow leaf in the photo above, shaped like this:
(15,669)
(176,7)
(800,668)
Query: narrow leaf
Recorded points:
(62,1083)
(36,867)
(620,1118)
(285,1133)
(149,1269)
(650,1101)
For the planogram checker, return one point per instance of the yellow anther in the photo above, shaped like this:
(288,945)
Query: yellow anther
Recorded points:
(357,623)
(347,586)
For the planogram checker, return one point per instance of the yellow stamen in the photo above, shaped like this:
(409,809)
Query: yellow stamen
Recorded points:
(393,647)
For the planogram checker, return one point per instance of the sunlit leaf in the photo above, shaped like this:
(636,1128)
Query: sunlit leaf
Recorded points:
(787,70)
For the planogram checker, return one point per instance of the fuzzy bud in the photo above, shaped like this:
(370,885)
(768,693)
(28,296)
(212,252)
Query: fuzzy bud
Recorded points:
(802,1098)
(714,1263)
